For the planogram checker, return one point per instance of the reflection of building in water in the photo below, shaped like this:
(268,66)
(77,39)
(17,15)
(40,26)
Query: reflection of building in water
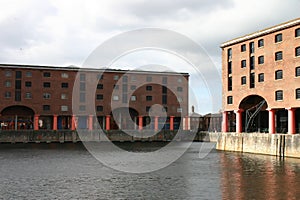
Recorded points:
(261,80)
(41,97)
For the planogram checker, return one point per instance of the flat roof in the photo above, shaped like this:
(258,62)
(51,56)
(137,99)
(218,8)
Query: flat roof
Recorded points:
(75,68)
(263,32)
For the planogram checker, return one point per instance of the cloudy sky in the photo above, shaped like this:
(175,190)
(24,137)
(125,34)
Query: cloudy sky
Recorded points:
(63,33)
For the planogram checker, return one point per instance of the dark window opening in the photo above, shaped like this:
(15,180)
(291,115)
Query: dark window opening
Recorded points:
(229,67)
(230,84)
(261,77)
(261,43)
(251,46)
(229,100)
(243,47)
(252,80)
(261,60)
(278,55)
(278,74)
(47,74)
(243,63)
(278,38)
(252,62)
(279,95)
(243,80)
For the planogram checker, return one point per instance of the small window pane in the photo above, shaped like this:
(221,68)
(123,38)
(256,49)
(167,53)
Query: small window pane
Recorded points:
(7,84)
(7,94)
(261,77)
(27,84)
(279,95)
(63,96)
(28,74)
(261,43)
(18,74)
(261,60)
(278,38)
(297,32)
(64,85)
(297,51)
(229,100)
(28,95)
(243,63)
(82,77)
(116,98)
(297,71)
(99,108)
(278,55)
(99,97)
(64,108)
(47,84)
(149,79)
(179,89)
(64,75)
(243,47)
(148,98)
(47,74)
(298,93)
(149,88)
(100,86)
(46,107)
(46,95)
(278,74)
(8,73)
(133,98)
(243,80)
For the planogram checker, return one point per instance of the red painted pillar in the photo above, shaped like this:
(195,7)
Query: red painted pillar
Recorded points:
(291,121)
(90,127)
(107,122)
(54,122)
(36,122)
(140,122)
(239,123)
(73,123)
(271,121)
(156,123)
(225,122)
(171,123)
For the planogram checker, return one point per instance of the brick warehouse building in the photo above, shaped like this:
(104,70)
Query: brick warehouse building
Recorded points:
(40,97)
(261,80)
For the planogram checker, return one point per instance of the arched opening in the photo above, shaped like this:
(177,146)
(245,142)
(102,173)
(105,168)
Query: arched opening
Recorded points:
(124,118)
(255,116)
(16,118)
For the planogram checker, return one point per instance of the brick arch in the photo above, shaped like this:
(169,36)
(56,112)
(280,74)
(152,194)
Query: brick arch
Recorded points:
(17,110)
(252,100)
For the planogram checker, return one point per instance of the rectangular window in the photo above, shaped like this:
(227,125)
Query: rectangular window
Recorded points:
(82,77)
(179,110)
(82,108)
(229,54)
(18,74)
(251,46)
(133,78)
(278,74)
(252,80)
(99,108)
(28,95)
(64,108)
(18,84)
(7,94)
(7,84)
(116,77)
(243,47)
(64,85)
(243,63)
(8,73)
(46,84)
(148,78)
(297,32)
(297,51)
(148,108)
(164,99)
(149,88)
(243,80)
(46,95)
(17,95)
(100,76)
(298,93)
(133,98)
(82,97)
(28,84)
(116,98)
(99,96)
(46,74)
(125,79)
(82,86)
(261,77)
(124,88)
(279,95)
(63,96)
(164,89)
(164,80)
(64,75)
(28,74)
(229,100)
(261,43)
(46,107)
(261,60)
(99,86)
(278,38)
(179,89)
(229,84)
(278,55)
(148,98)
(229,67)
(124,98)
(297,71)
(252,62)
(133,87)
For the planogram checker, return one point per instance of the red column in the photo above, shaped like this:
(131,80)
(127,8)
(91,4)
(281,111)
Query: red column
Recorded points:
(171,123)
(239,124)
(90,127)
(271,121)
(73,123)
(225,122)
(107,123)
(54,122)
(291,121)
(36,122)
(140,122)
(156,123)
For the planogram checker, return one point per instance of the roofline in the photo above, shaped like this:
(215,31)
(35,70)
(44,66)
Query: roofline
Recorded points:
(74,68)
(263,32)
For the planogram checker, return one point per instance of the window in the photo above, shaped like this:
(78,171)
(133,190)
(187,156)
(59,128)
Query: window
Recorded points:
(116,98)
(298,93)
(100,86)
(124,98)
(148,78)
(28,74)
(82,86)
(179,89)
(243,63)
(63,96)
(46,107)
(243,47)
(125,79)
(229,67)
(124,88)
(148,98)
(261,43)
(28,95)
(252,80)
(179,110)
(7,84)
(148,108)
(133,78)
(99,108)
(8,73)
(64,85)
(164,109)
(46,95)
(82,97)
(278,55)
(261,60)
(278,38)
(229,54)
(261,77)
(46,84)
(7,94)
(164,99)
(164,80)
(64,108)
(47,74)
(297,71)
(82,108)
(179,99)
(164,89)
(243,80)
(252,62)
(28,84)
(82,77)
(133,98)
(149,88)
(100,76)
(64,75)
(251,45)
(297,32)
(133,87)
(17,95)
(279,95)
(229,84)
(116,77)
(99,96)
(297,51)
(18,84)
(116,87)
(278,74)
(18,74)
(229,100)
(179,80)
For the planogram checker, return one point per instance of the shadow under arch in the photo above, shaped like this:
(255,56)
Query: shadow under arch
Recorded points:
(255,116)
(125,118)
